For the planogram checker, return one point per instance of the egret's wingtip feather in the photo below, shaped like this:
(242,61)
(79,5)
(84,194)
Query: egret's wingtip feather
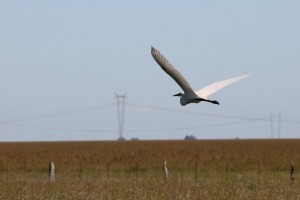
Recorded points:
(152,49)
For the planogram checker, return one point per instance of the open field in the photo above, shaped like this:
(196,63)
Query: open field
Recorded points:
(216,169)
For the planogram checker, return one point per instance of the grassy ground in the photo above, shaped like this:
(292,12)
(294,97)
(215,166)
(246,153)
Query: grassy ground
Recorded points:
(224,169)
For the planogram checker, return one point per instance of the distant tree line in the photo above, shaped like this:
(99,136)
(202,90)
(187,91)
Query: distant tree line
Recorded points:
(190,137)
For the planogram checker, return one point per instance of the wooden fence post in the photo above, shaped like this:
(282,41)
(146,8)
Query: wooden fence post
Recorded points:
(227,170)
(166,170)
(107,170)
(25,167)
(292,178)
(1,168)
(136,171)
(196,170)
(51,171)
(80,171)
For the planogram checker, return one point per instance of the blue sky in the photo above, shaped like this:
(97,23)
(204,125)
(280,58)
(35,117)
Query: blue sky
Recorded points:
(62,61)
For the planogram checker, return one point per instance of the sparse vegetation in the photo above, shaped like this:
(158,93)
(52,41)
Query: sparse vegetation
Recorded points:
(224,169)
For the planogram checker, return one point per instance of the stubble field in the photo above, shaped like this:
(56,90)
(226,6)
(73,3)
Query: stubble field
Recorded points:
(203,169)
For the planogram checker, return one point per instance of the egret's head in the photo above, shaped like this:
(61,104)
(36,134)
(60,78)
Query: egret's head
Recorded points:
(178,95)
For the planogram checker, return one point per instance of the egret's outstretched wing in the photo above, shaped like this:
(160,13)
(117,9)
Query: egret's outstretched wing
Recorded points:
(169,69)
(208,90)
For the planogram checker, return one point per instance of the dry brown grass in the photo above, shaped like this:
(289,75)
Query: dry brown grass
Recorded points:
(223,169)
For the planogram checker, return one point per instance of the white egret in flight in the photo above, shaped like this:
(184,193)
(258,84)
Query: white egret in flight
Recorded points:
(189,95)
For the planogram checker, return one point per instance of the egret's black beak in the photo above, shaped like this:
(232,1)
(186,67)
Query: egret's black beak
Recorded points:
(177,95)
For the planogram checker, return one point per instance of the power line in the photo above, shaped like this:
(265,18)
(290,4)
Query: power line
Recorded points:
(133,130)
(194,127)
(57,114)
(267,119)
(158,108)
(195,113)
(60,128)
(240,119)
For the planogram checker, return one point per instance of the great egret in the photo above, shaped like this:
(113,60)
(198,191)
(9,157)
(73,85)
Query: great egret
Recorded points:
(189,95)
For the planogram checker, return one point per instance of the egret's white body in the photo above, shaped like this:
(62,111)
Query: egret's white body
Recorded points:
(189,95)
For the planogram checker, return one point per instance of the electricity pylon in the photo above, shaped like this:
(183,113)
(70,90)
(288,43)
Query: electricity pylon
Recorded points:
(121,113)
